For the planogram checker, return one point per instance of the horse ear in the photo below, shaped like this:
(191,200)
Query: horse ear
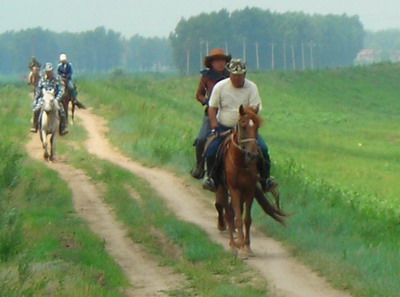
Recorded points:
(241,110)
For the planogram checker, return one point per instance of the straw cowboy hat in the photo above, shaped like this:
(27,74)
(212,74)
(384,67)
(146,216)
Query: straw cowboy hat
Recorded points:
(216,53)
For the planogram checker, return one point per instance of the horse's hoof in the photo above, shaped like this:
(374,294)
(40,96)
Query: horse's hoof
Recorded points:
(249,252)
(234,251)
(221,227)
(242,255)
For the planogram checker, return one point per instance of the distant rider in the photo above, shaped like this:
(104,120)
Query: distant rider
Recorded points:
(49,81)
(64,70)
(34,63)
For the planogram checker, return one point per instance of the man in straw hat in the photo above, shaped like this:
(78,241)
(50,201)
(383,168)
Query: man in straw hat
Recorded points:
(215,71)
(223,113)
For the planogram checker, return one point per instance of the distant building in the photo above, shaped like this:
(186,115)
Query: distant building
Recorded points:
(368,56)
(395,56)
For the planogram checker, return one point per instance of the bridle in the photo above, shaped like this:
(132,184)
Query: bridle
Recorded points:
(241,141)
(241,144)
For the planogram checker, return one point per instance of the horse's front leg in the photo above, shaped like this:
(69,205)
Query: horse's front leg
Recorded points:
(53,141)
(237,212)
(247,252)
(43,137)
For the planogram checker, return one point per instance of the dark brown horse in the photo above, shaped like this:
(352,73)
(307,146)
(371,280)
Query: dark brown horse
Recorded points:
(240,156)
(66,99)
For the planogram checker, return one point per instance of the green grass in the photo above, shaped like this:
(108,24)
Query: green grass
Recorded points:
(53,252)
(45,249)
(343,195)
(340,125)
(334,139)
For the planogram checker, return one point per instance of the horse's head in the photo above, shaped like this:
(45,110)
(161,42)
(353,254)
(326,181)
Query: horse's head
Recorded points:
(48,100)
(247,128)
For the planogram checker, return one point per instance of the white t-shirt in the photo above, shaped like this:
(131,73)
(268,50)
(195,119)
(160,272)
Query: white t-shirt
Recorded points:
(227,99)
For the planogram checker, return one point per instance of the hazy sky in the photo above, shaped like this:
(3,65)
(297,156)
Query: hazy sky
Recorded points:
(159,17)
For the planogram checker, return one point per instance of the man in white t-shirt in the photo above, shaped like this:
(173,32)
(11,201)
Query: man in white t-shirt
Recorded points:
(223,111)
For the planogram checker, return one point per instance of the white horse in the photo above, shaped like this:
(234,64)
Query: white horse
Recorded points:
(49,123)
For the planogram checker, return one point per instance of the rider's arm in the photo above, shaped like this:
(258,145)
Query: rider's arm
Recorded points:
(201,91)
(69,71)
(59,91)
(212,115)
(214,104)
(38,91)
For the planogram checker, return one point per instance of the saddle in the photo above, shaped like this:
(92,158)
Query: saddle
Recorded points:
(218,173)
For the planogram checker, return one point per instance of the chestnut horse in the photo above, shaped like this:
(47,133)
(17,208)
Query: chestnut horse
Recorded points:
(240,157)
(66,99)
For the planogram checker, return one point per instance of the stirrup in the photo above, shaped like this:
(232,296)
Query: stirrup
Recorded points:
(208,184)
(197,172)
(33,130)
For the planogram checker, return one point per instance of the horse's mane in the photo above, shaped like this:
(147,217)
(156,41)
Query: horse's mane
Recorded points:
(251,112)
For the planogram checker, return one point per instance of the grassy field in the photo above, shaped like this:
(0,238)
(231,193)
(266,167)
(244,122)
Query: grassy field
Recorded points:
(45,249)
(334,140)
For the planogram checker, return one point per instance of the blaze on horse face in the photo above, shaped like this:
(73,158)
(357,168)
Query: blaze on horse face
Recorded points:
(248,125)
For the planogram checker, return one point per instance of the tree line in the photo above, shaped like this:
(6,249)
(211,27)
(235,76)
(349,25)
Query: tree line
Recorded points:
(269,40)
(264,39)
(96,51)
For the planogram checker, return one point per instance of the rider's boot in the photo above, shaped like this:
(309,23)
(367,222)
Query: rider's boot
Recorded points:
(35,121)
(208,182)
(267,181)
(63,122)
(198,170)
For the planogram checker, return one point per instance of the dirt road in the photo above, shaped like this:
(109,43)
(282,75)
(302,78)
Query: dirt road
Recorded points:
(146,277)
(286,276)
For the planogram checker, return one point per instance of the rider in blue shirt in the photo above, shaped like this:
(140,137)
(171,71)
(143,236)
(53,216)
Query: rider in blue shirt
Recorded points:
(64,70)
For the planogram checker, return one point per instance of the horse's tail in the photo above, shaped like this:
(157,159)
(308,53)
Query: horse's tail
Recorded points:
(80,105)
(268,208)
